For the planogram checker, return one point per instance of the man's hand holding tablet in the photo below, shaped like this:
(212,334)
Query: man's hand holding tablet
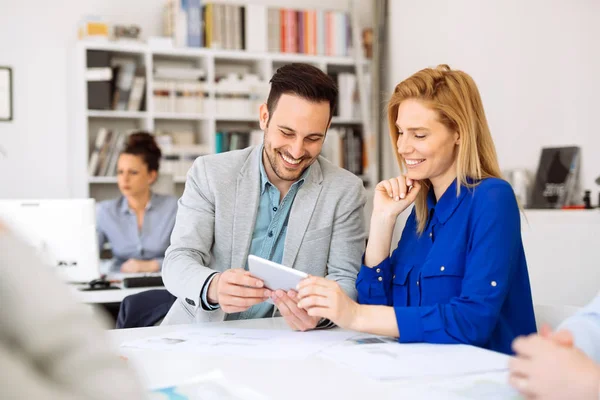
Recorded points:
(236,290)
(282,281)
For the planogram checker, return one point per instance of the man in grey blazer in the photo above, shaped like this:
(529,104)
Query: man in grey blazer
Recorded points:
(281,201)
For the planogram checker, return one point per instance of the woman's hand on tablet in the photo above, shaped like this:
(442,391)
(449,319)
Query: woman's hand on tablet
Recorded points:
(324,298)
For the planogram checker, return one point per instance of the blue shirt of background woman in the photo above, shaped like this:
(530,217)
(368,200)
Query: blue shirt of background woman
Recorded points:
(138,224)
(459,273)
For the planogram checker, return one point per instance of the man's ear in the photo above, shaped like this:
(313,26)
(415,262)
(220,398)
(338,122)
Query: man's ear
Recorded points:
(263,116)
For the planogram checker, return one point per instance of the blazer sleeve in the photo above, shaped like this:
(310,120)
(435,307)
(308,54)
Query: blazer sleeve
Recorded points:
(348,240)
(490,263)
(185,268)
(585,327)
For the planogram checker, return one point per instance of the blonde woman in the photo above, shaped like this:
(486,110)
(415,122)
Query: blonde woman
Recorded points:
(459,273)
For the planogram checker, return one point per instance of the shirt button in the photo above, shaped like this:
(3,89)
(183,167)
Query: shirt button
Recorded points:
(442,268)
(417,283)
(270,234)
(378,270)
(274,208)
(430,234)
(380,279)
(494,283)
(394,277)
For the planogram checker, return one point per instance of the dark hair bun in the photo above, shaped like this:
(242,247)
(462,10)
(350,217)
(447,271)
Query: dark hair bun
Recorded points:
(143,144)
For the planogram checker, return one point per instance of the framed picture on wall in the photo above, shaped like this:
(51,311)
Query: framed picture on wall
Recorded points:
(6,106)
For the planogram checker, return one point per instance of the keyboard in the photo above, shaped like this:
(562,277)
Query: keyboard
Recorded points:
(142,281)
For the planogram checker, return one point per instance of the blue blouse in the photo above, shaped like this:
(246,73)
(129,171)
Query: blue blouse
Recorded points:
(117,224)
(464,279)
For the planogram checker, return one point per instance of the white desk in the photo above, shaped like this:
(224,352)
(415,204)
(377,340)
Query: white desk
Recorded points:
(314,378)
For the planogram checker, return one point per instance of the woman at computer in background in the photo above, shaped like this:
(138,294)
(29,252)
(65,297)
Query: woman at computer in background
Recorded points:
(138,224)
(459,273)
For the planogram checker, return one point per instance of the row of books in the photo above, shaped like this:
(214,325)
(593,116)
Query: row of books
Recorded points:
(114,83)
(177,160)
(179,96)
(193,24)
(309,32)
(236,140)
(344,147)
(105,154)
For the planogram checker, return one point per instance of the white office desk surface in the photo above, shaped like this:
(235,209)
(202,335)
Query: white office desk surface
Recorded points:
(313,378)
(107,296)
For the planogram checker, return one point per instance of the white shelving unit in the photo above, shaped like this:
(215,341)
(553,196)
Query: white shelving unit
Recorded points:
(205,124)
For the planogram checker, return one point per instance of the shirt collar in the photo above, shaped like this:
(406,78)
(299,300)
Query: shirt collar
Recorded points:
(124,206)
(264,179)
(449,202)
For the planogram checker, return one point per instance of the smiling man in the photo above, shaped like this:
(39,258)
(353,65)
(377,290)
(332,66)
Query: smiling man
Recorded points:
(280,201)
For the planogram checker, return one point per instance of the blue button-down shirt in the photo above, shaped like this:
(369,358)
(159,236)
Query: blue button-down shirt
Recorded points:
(464,279)
(269,234)
(116,223)
(585,327)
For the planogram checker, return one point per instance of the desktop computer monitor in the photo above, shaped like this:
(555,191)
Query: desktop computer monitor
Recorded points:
(62,231)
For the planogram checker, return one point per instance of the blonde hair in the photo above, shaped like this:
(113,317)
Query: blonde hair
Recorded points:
(455,97)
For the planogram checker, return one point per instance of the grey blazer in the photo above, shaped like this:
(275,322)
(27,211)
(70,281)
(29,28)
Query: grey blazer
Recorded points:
(215,221)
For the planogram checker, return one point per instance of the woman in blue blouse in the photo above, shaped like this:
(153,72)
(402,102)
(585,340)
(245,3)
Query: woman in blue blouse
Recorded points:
(459,273)
(138,224)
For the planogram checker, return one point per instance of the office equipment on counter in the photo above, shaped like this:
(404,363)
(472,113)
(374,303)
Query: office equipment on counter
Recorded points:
(557,177)
(62,231)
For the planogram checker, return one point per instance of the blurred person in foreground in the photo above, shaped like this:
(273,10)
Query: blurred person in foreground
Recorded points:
(562,364)
(51,347)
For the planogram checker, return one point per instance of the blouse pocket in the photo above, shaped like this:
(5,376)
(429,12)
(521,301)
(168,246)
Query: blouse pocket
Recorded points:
(400,285)
(441,281)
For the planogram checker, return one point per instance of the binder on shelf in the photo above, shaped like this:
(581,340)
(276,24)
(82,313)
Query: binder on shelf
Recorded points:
(99,78)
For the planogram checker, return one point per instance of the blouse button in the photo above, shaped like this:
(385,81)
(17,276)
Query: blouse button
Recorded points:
(394,277)
(442,268)
(494,283)
(378,270)
(380,279)
(430,234)
(417,283)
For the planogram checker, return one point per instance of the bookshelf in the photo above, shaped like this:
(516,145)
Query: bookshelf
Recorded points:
(197,125)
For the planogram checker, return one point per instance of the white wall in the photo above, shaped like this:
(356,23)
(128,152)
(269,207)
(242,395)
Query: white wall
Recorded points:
(36,40)
(536,63)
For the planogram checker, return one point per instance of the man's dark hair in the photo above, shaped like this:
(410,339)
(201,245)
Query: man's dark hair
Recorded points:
(305,81)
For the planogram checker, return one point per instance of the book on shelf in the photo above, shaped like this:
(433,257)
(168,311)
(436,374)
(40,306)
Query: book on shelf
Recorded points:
(556,180)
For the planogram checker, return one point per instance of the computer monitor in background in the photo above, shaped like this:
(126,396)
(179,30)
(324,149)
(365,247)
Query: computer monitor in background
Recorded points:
(63,232)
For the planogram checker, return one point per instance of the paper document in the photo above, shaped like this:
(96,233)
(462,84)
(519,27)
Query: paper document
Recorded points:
(253,343)
(491,386)
(393,360)
(212,386)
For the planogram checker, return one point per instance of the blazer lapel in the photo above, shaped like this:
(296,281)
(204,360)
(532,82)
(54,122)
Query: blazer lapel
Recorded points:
(301,213)
(247,194)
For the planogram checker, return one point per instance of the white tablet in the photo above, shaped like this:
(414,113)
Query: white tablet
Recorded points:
(275,276)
